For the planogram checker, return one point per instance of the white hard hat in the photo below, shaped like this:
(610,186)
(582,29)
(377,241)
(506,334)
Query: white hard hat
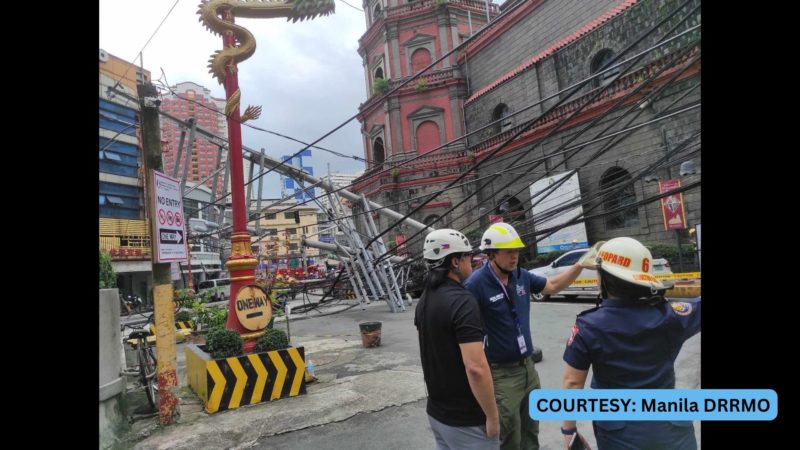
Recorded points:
(629,260)
(440,243)
(499,236)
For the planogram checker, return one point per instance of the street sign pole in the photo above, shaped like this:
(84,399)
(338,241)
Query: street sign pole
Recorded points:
(169,403)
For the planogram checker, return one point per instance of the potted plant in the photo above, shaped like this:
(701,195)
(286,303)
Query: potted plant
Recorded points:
(273,339)
(422,85)
(224,343)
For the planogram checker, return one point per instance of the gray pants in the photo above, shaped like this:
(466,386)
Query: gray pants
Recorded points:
(457,438)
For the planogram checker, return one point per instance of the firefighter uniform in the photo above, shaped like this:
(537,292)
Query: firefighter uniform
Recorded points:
(631,344)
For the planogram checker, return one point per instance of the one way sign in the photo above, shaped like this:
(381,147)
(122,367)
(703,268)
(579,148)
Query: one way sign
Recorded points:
(170,236)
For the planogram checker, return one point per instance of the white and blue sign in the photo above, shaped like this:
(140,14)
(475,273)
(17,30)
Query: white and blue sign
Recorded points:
(653,404)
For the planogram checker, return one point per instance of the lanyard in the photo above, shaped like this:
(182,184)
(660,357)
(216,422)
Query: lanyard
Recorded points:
(511,302)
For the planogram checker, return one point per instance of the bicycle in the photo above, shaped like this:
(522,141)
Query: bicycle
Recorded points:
(146,370)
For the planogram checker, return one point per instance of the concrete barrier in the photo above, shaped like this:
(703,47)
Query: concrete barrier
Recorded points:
(228,383)
(113,413)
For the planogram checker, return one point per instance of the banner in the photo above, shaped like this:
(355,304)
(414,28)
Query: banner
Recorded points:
(546,197)
(672,206)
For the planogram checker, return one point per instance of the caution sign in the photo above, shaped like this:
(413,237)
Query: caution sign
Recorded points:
(168,231)
(253,307)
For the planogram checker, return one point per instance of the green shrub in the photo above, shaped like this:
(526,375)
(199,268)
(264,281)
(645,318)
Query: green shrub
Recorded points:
(670,252)
(183,316)
(208,317)
(273,339)
(208,295)
(224,343)
(183,297)
(108,279)
(380,86)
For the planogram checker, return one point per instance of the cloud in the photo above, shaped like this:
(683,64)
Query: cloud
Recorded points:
(307,76)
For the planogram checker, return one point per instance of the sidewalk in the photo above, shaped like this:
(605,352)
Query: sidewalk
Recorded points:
(347,383)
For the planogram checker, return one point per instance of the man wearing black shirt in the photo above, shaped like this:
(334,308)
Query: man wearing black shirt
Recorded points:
(461,405)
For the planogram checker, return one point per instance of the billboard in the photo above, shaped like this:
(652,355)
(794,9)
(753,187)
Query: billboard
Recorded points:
(549,199)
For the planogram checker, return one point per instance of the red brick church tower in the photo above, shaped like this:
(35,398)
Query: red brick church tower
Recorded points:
(404,37)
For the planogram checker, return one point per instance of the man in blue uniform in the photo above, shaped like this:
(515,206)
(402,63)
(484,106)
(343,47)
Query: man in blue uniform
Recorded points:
(631,341)
(503,291)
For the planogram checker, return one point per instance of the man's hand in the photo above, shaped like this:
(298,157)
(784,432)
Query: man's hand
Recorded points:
(492,427)
(589,259)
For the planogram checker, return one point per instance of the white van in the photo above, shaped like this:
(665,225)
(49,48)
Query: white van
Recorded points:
(586,283)
(224,291)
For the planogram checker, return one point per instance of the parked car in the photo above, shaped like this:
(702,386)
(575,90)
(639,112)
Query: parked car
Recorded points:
(586,283)
(221,286)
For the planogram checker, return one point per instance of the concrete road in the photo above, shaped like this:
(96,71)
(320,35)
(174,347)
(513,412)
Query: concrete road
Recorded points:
(334,344)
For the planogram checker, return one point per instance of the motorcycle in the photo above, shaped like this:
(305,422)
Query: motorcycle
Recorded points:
(130,302)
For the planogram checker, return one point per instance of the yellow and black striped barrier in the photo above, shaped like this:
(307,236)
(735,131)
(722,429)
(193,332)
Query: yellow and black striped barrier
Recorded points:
(179,326)
(182,330)
(245,380)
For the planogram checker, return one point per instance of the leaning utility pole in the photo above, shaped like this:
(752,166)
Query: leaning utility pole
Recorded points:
(162,283)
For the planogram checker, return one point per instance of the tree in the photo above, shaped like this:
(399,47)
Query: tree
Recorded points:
(108,279)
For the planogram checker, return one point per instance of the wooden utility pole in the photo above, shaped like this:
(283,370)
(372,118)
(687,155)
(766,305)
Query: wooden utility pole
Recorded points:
(162,283)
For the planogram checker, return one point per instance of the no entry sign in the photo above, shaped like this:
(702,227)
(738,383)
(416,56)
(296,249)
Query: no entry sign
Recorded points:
(169,234)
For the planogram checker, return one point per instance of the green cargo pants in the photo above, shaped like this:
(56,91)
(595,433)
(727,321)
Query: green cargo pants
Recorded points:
(512,383)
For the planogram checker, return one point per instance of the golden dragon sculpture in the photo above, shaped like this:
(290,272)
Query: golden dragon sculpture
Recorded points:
(293,10)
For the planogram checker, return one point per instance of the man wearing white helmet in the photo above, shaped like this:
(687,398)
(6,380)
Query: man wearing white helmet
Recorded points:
(503,291)
(631,341)
(461,406)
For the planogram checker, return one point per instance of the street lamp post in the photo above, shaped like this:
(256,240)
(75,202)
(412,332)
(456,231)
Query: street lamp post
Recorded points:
(238,45)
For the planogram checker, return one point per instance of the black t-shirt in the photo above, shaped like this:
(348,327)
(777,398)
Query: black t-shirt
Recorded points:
(446,317)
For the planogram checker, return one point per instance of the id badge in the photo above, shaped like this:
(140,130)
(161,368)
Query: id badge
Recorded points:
(521,342)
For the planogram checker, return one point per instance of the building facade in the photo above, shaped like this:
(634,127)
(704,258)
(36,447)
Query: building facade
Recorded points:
(191,101)
(123,225)
(339,180)
(544,98)
(203,237)
(401,41)
(277,235)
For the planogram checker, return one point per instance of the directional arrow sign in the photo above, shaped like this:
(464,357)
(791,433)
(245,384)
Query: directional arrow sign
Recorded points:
(170,236)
